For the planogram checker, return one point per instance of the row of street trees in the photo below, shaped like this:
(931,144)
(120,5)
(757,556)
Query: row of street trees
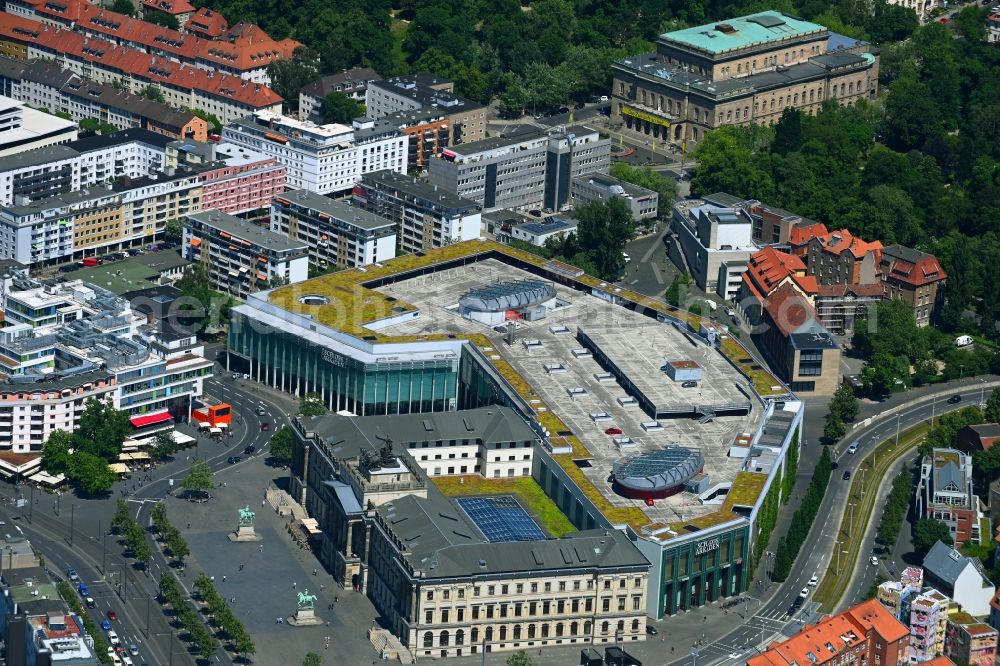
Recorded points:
(132,533)
(186,616)
(790,544)
(169,535)
(223,617)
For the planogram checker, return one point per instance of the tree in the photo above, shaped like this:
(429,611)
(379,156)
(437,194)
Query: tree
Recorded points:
(289,76)
(665,188)
(122,516)
(281,445)
(971,23)
(602,231)
(339,108)
(312,404)
(520,658)
(102,430)
(927,532)
(199,478)
(173,231)
(123,7)
(164,19)
(176,543)
(164,445)
(844,403)
(992,411)
(153,93)
(159,516)
(834,428)
(90,473)
(312,659)
(56,452)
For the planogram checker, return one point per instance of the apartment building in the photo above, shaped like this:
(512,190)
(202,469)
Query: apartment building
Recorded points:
(928,625)
(183,85)
(944,492)
(241,258)
(182,10)
(351,82)
(962,578)
(897,595)
(716,241)
(321,158)
(530,168)
(429,132)
(454,590)
(336,232)
(599,187)
(131,211)
(78,339)
(864,633)
(244,50)
(206,23)
(23,129)
(914,277)
(426,216)
(466,119)
(740,71)
(838,257)
(970,642)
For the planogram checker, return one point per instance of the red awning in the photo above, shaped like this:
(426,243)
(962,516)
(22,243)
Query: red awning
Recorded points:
(151,419)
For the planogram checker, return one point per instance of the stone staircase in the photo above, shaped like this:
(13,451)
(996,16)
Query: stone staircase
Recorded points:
(388,646)
(283,504)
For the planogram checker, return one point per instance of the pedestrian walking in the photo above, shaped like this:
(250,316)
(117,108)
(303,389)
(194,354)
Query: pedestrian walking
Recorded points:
(294,584)
(336,598)
(322,587)
(262,548)
(314,572)
(233,600)
(223,579)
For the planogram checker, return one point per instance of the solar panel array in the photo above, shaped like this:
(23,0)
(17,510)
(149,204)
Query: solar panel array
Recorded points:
(501,519)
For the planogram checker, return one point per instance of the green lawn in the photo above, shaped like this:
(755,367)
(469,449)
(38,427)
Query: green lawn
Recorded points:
(525,488)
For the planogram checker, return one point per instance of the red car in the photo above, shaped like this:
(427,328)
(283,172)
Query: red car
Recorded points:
(613,431)
(113,616)
(264,427)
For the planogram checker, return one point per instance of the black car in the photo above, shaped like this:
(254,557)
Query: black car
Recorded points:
(847,475)
(249,450)
(954,399)
(651,630)
(689,384)
(232,460)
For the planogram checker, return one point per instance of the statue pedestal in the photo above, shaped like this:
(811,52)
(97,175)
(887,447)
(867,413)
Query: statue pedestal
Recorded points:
(304,617)
(245,533)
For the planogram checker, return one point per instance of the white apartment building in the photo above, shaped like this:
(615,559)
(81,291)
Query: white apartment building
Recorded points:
(70,341)
(336,232)
(240,257)
(716,241)
(321,158)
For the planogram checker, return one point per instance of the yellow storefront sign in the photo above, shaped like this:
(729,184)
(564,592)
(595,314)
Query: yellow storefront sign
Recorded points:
(642,115)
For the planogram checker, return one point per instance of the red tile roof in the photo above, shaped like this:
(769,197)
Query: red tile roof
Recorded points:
(831,290)
(788,309)
(911,266)
(245,47)
(208,23)
(828,640)
(838,242)
(802,234)
(127,60)
(174,7)
(769,267)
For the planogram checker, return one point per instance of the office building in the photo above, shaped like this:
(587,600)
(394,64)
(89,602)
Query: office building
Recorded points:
(466,119)
(109,61)
(642,203)
(463,583)
(240,257)
(737,72)
(716,242)
(336,233)
(429,131)
(961,578)
(388,340)
(914,277)
(944,492)
(531,168)
(970,642)
(23,129)
(537,233)
(426,216)
(865,633)
(321,158)
(351,82)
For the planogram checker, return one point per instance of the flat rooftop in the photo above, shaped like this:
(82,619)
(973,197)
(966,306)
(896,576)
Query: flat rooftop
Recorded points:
(339,209)
(248,231)
(645,346)
(742,32)
(420,189)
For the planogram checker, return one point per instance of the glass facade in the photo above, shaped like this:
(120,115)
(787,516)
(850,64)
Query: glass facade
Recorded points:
(700,572)
(290,363)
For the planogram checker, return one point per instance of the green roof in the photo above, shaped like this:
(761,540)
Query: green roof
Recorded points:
(131,274)
(742,32)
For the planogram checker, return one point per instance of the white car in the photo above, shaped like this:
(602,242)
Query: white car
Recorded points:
(874,561)
(853,448)
(626,257)
(730,312)
(813,581)
(113,638)
(804,592)
(127,660)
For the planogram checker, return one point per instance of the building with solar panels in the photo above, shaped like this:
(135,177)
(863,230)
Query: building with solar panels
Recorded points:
(658,474)
(450,576)
(502,301)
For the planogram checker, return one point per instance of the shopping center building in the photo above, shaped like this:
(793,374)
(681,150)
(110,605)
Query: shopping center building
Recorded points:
(582,362)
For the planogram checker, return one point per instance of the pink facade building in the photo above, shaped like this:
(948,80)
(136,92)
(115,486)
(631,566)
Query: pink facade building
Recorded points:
(243,187)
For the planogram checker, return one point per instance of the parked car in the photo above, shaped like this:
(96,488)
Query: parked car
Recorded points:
(651,630)
(690,384)
(954,399)
(613,431)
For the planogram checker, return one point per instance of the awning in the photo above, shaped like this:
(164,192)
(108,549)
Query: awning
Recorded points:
(151,419)
(215,431)
(195,242)
(138,455)
(261,276)
(119,468)
(222,425)
(48,479)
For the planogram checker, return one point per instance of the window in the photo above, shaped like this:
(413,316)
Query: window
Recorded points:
(429,617)
(534,588)
(444,616)
(635,603)
(562,586)
(428,639)
(520,588)
(430,595)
